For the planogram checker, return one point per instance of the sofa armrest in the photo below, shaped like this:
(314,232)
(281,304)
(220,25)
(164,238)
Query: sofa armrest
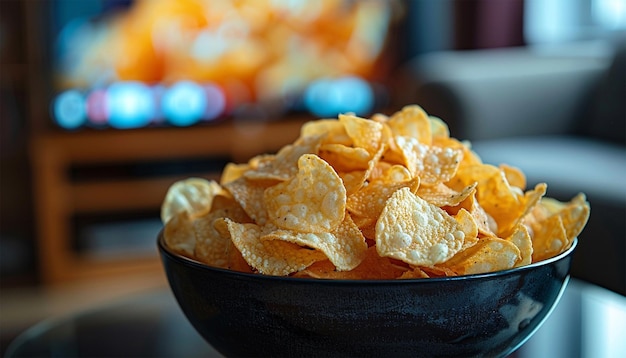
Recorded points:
(496,93)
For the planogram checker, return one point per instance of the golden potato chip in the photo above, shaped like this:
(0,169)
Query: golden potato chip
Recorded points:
(314,200)
(416,232)
(549,238)
(193,195)
(179,234)
(232,172)
(442,195)
(249,194)
(514,176)
(331,130)
(212,246)
(411,122)
(284,164)
(345,246)
(521,238)
(432,164)
(504,204)
(416,272)
(373,267)
(468,225)
(439,129)
(555,224)
(487,255)
(365,133)
(575,215)
(345,158)
(270,257)
(370,200)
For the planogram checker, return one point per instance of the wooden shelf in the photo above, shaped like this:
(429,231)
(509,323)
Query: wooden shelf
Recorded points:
(58,198)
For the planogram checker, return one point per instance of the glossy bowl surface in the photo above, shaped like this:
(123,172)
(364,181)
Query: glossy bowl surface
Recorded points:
(243,314)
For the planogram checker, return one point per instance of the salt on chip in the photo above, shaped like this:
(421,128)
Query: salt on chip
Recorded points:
(416,232)
(314,200)
(432,164)
(270,257)
(345,246)
(488,255)
(193,196)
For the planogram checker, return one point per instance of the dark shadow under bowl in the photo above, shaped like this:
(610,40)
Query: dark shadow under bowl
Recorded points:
(243,314)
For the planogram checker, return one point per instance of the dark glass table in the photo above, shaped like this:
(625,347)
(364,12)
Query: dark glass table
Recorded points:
(588,322)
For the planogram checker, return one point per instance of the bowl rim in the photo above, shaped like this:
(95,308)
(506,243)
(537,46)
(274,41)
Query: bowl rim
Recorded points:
(164,249)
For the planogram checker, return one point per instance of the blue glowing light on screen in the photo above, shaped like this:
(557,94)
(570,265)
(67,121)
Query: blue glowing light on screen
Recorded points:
(216,102)
(70,110)
(330,97)
(130,105)
(184,103)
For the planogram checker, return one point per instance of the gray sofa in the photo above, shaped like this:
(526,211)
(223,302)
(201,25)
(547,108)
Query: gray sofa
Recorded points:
(557,113)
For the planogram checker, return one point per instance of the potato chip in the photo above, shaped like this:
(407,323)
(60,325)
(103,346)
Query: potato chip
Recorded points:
(442,195)
(432,164)
(514,176)
(416,232)
(211,246)
(179,234)
(314,200)
(370,200)
(270,257)
(414,273)
(549,238)
(364,133)
(521,238)
(331,131)
(488,255)
(232,172)
(468,225)
(373,267)
(493,192)
(345,158)
(284,164)
(439,129)
(249,194)
(345,246)
(411,122)
(193,196)
(575,215)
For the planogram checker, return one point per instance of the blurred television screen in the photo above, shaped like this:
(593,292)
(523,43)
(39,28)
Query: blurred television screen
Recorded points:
(131,64)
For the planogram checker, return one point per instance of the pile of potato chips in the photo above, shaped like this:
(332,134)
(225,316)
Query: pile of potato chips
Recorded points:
(380,198)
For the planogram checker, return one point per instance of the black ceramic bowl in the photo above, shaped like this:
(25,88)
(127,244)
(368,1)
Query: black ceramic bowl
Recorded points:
(243,314)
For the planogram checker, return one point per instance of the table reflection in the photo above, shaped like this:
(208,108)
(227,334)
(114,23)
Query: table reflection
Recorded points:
(588,322)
